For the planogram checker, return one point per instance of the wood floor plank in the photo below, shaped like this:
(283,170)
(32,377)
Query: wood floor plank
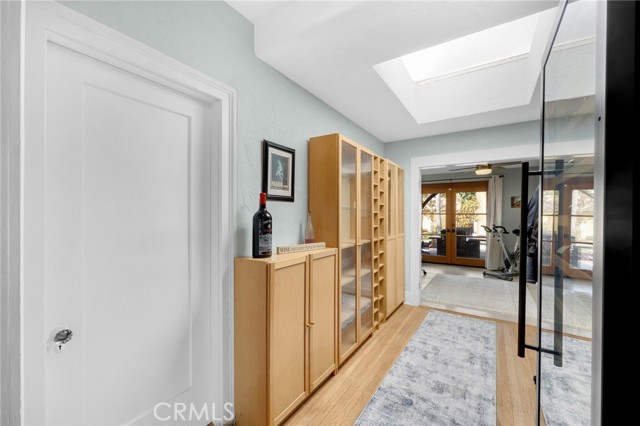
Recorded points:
(341,399)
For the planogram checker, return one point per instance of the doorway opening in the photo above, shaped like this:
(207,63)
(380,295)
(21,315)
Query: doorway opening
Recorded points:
(456,249)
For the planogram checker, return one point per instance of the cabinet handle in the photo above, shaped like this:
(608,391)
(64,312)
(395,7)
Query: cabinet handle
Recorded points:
(312,323)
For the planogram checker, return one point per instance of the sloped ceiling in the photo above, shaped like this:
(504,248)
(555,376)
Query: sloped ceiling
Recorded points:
(332,48)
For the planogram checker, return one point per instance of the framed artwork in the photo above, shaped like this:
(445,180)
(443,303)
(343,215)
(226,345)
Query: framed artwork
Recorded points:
(515,202)
(278,171)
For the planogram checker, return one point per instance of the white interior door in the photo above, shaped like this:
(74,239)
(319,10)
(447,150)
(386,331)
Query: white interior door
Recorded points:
(127,247)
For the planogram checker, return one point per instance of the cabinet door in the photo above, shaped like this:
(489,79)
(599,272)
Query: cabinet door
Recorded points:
(399,248)
(322,318)
(287,387)
(392,186)
(399,271)
(348,194)
(390,296)
(400,202)
(348,258)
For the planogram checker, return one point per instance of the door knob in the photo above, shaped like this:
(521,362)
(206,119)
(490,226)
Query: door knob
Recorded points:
(62,337)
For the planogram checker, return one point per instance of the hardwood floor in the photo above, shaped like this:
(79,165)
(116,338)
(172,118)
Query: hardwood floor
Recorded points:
(341,399)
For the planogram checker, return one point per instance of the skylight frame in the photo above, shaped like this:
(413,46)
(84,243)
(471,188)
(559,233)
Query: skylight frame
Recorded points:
(446,60)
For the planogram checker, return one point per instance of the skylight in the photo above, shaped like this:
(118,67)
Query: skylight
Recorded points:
(493,46)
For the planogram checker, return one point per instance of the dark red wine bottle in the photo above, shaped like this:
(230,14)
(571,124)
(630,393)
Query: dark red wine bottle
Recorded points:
(262,228)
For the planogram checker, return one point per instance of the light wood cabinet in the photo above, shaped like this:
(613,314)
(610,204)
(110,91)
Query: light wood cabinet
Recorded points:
(394,289)
(379,240)
(349,202)
(285,332)
(341,175)
(323,331)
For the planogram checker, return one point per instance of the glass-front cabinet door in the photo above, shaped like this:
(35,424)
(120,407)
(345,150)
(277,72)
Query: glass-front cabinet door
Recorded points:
(366,230)
(348,247)
(564,289)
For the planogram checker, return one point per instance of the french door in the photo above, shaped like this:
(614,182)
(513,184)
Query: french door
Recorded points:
(452,218)
(575,215)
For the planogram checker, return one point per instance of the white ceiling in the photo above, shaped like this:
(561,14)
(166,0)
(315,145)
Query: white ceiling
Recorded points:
(331,47)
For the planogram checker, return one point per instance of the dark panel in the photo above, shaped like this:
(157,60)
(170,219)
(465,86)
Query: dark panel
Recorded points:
(622,120)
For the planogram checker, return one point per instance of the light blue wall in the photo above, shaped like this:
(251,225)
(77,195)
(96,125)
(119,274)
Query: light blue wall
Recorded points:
(473,140)
(510,188)
(216,40)
(492,137)
(578,129)
(564,129)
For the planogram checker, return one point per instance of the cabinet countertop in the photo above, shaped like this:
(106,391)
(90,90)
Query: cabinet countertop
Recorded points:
(288,256)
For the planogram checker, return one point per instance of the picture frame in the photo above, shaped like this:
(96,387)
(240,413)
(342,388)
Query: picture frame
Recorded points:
(278,171)
(515,202)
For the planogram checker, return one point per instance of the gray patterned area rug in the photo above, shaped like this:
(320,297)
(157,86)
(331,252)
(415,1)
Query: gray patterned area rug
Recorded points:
(566,391)
(446,375)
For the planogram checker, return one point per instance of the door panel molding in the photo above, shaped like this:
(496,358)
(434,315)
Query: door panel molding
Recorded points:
(51,22)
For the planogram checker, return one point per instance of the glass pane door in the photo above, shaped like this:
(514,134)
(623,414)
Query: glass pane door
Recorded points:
(434,225)
(366,229)
(348,296)
(348,230)
(469,218)
(366,290)
(348,195)
(578,204)
(453,216)
(566,250)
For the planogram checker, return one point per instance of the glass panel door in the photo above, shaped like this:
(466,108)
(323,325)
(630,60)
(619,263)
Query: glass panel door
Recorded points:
(366,229)
(453,217)
(566,251)
(434,225)
(348,295)
(470,216)
(578,204)
(348,195)
(348,230)
(366,290)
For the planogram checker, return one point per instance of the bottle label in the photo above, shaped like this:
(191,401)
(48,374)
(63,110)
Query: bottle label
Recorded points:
(264,238)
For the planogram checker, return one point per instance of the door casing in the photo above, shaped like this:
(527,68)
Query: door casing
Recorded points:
(33,24)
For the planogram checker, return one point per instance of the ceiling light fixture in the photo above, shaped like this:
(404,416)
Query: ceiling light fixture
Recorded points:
(483,169)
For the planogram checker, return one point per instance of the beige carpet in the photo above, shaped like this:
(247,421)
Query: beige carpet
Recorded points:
(497,299)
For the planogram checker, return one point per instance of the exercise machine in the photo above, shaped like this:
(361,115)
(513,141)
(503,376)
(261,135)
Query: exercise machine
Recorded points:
(511,258)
